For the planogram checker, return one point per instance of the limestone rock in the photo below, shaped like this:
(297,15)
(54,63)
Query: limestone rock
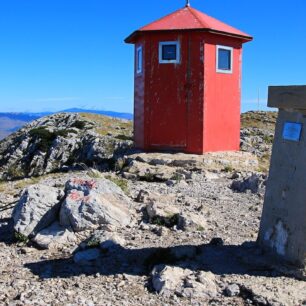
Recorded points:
(232,290)
(150,173)
(54,237)
(106,240)
(37,209)
(167,281)
(165,166)
(192,222)
(254,183)
(90,203)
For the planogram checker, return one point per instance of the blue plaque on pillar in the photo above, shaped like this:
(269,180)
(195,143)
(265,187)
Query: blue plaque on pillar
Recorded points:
(292,131)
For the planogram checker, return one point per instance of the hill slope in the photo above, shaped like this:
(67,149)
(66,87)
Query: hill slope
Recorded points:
(61,141)
(11,122)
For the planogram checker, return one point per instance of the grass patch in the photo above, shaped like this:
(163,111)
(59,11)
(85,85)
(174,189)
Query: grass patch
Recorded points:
(200,228)
(3,186)
(27,182)
(149,177)
(268,139)
(124,137)
(15,172)
(228,169)
(177,177)
(264,163)
(123,184)
(120,129)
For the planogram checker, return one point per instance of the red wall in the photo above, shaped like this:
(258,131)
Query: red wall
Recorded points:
(139,99)
(222,96)
(173,99)
(189,107)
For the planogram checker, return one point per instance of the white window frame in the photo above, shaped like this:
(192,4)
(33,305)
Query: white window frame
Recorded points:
(178,52)
(139,59)
(231,49)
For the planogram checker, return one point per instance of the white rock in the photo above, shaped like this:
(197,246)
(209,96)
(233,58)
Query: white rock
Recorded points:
(232,290)
(106,239)
(166,279)
(54,237)
(90,203)
(37,209)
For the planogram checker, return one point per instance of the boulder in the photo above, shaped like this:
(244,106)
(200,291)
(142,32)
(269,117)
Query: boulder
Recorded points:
(54,237)
(167,281)
(162,214)
(232,290)
(192,222)
(255,183)
(37,208)
(91,203)
(106,240)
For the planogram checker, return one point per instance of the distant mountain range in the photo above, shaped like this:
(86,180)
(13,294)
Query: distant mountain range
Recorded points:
(11,122)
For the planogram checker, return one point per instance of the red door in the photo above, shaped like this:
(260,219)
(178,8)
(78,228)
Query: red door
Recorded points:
(168,100)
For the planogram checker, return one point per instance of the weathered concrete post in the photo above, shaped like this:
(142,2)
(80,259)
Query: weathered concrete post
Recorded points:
(283,223)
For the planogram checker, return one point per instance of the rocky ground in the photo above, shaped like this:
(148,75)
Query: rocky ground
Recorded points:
(186,233)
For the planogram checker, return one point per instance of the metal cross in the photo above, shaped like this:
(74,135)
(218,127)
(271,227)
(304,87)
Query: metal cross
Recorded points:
(187,3)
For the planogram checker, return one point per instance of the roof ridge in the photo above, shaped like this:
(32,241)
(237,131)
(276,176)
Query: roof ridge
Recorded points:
(161,18)
(195,16)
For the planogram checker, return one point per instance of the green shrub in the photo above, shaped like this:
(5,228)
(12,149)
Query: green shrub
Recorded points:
(168,221)
(228,169)
(124,137)
(15,172)
(21,238)
(93,243)
(45,137)
(79,124)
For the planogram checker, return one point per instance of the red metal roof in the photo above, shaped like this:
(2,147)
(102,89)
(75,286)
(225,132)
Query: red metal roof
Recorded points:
(189,18)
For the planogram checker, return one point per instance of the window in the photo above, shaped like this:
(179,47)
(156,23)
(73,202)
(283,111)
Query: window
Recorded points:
(169,52)
(139,60)
(224,59)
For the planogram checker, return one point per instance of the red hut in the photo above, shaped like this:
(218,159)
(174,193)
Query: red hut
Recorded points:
(187,83)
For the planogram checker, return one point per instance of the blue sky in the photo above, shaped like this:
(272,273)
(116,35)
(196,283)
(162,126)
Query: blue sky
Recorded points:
(57,54)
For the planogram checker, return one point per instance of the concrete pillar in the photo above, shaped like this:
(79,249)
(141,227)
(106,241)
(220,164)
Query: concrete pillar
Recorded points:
(283,223)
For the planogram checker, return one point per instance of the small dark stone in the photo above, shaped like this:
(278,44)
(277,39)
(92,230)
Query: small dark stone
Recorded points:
(216,241)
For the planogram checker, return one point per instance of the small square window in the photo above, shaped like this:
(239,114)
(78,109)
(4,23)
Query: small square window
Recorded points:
(139,60)
(224,59)
(169,52)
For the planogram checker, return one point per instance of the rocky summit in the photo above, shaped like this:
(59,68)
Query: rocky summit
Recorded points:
(62,141)
(135,228)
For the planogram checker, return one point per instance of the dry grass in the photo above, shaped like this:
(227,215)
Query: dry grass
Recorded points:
(105,125)
(3,186)
(260,120)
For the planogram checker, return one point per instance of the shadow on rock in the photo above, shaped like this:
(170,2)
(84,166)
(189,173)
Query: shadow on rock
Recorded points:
(6,230)
(246,259)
